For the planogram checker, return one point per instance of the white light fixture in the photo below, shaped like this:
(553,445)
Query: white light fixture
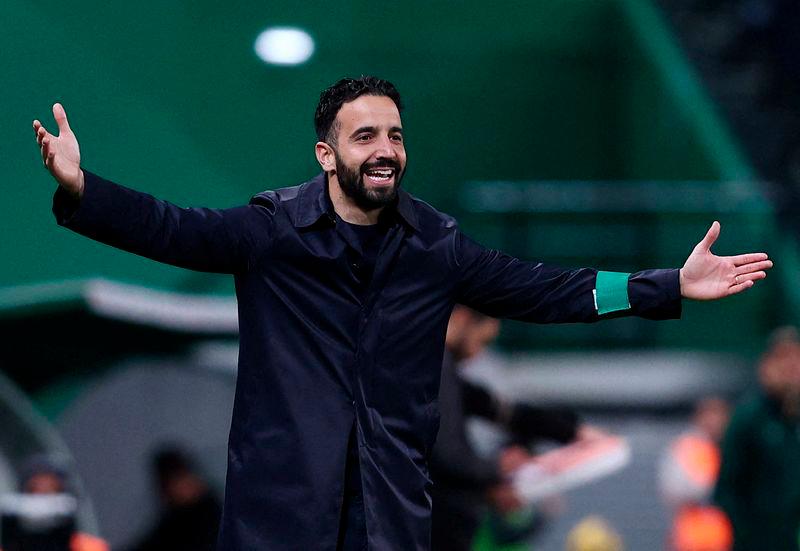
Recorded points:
(284,46)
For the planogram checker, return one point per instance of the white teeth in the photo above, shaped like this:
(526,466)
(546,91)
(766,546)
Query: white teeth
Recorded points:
(381,172)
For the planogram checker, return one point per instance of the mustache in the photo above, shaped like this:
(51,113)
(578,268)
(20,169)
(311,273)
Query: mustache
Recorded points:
(386,163)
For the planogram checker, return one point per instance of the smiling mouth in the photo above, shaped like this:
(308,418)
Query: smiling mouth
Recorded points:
(380,176)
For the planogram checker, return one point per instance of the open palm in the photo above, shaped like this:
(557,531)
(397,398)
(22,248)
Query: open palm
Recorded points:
(61,154)
(706,276)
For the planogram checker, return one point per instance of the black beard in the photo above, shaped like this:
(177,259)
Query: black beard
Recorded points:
(352,184)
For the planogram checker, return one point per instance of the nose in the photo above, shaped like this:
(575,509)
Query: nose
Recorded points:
(386,148)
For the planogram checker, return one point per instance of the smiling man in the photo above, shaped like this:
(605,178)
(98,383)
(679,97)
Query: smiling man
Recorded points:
(368,164)
(345,285)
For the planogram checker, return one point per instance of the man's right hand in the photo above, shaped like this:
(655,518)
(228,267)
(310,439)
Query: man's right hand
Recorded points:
(61,154)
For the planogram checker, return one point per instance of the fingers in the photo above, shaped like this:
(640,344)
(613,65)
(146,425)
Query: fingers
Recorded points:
(46,151)
(43,135)
(748,258)
(753,277)
(744,282)
(746,279)
(735,289)
(754,267)
(46,146)
(710,238)
(44,139)
(39,131)
(61,118)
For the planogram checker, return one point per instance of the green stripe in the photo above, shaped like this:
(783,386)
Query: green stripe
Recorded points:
(685,86)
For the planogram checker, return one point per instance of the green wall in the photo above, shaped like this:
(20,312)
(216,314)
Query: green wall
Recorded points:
(168,97)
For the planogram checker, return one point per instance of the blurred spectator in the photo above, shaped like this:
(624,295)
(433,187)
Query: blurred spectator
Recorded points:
(41,476)
(687,474)
(759,482)
(464,483)
(42,517)
(191,513)
(593,534)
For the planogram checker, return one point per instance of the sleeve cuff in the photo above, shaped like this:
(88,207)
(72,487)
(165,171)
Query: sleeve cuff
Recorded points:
(656,294)
(66,206)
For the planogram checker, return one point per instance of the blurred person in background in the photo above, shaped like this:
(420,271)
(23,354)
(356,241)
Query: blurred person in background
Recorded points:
(345,284)
(42,477)
(190,515)
(759,481)
(594,534)
(466,483)
(687,474)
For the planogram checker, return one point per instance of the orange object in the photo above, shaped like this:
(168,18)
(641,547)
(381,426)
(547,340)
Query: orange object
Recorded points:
(699,457)
(85,542)
(701,528)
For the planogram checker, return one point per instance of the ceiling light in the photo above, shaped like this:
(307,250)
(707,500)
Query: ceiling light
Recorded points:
(284,46)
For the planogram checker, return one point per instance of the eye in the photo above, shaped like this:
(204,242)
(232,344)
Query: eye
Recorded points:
(397,138)
(363,137)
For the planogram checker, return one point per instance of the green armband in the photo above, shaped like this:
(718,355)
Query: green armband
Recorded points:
(611,292)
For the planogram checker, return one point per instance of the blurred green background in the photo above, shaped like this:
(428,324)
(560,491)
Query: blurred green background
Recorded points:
(547,97)
(568,131)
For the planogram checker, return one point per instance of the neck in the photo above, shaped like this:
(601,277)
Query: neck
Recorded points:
(347,209)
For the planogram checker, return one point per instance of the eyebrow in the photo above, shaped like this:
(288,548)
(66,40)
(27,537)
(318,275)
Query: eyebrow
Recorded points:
(374,129)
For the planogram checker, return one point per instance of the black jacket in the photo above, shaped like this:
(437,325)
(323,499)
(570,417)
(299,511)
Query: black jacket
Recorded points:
(317,355)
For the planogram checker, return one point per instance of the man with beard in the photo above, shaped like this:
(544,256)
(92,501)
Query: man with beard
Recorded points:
(345,285)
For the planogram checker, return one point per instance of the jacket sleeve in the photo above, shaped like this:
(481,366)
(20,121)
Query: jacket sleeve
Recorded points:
(524,422)
(209,240)
(531,423)
(502,286)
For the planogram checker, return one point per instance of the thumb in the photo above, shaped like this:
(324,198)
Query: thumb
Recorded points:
(61,118)
(710,238)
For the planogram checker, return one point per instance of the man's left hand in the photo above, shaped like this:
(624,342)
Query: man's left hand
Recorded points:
(706,276)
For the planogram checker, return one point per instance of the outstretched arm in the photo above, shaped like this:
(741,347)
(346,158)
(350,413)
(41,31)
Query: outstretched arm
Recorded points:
(211,240)
(706,276)
(502,286)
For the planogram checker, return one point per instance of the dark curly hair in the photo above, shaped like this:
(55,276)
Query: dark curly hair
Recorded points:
(344,91)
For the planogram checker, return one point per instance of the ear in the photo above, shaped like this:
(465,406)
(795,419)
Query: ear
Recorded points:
(325,156)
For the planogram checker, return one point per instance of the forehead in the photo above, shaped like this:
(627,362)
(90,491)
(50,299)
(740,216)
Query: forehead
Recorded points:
(376,111)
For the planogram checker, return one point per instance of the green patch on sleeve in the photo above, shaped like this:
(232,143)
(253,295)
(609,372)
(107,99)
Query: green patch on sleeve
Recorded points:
(611,292)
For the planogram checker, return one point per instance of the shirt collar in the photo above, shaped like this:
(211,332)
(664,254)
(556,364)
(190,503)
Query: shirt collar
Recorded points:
(314,203)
